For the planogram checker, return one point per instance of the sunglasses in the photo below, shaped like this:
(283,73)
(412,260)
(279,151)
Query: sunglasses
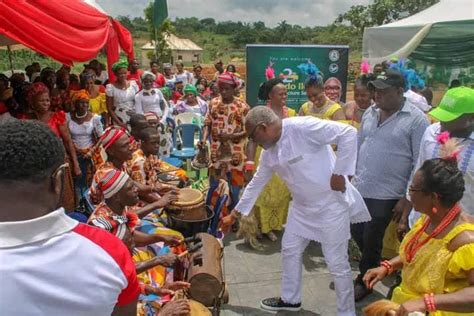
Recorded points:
(251,135)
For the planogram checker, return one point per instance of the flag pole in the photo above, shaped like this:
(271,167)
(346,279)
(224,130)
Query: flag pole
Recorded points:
(10,58)
(156,43)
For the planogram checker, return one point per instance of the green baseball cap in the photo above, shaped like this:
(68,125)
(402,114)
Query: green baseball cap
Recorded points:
(456,102)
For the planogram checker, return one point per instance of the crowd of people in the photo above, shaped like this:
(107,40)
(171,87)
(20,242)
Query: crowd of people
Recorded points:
(81,156)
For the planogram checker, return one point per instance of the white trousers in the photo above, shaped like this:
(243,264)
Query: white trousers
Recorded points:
(337,260)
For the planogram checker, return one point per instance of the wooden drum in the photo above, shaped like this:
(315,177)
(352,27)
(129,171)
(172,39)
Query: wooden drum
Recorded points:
(205,272)
(189,206)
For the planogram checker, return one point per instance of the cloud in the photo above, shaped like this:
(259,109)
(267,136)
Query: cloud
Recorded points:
(301,12)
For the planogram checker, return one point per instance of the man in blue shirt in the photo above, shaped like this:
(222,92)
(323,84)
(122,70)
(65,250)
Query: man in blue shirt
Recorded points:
(389,141)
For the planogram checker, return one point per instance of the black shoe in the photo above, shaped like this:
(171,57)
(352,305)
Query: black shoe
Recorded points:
(360,291)
(276,304)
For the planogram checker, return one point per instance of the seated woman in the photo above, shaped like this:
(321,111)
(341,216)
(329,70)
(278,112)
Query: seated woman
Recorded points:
(191,102)
(436,256)
(85,129)
(151,99)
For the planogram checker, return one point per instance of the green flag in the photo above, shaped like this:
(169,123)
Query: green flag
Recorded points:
(160,12)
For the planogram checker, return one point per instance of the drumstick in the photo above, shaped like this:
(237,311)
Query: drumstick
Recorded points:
(191,250)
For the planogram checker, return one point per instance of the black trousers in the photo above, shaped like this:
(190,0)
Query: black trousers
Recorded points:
(369,235)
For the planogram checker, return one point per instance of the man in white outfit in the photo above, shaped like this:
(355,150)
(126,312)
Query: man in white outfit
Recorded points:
(324,202)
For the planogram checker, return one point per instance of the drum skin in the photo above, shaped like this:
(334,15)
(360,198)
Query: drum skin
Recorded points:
(189,206)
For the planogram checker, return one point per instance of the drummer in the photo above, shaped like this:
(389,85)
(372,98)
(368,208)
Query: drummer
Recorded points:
(146,165)
(118,215)
(117,145)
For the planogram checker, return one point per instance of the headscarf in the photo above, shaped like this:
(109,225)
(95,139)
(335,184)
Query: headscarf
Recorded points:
(35,90)
(112,182)
(229,78)
(167,65)
(148,73)
(122,63)
(79,95)
(111,135)
(166,92)
(189,88)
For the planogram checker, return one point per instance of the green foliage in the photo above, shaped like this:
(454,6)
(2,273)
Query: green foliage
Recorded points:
(382,12)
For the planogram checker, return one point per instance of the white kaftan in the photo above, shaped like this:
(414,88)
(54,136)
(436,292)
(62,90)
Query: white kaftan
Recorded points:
(304,159)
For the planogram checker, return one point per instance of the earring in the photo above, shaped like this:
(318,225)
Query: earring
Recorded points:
(434,210)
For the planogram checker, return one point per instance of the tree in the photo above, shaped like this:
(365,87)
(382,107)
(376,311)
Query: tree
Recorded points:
(125,21)
(209,24)
(382,12)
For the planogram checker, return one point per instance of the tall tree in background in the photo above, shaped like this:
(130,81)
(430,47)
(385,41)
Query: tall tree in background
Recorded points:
(382,12)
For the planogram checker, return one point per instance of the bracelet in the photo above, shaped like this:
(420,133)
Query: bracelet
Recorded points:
(386,264)
(249,165)
(429,302)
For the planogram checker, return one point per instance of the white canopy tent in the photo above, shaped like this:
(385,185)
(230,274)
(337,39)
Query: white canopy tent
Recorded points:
(449,23)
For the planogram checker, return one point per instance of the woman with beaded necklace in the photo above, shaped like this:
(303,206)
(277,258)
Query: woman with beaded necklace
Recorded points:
(436,256)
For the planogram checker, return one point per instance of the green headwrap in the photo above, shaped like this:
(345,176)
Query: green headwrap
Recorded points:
(122,63)
(189,88)
(166,92)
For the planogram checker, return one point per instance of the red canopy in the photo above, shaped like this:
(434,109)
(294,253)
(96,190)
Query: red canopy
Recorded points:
(65,30)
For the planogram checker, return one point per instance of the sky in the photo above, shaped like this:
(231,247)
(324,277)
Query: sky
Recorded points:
(301,12)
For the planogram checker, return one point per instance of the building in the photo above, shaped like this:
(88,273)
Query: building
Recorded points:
(181,49)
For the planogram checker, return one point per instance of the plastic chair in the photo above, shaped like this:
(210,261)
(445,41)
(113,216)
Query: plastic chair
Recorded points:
(187,133)
(188,118)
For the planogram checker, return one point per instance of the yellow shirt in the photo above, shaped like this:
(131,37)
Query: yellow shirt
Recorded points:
(326,115)
(97,105)
(435,269)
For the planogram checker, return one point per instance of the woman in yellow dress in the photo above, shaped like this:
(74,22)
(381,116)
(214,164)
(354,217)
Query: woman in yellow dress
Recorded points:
(271,207)
(319,105)
(437,255)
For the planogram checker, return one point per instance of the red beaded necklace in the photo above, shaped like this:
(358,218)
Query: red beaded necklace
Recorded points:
(414,244)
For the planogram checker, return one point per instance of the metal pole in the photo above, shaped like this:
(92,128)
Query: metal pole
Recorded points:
(10,58)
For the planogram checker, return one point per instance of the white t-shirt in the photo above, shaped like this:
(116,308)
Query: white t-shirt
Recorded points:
(54,265)
(150,101)
(83,135)
(124,100)
(186,77)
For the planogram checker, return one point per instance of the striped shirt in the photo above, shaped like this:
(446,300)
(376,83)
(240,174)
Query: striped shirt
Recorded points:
(388,152)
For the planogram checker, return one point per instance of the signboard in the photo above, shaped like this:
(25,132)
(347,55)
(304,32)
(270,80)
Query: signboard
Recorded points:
(332,61)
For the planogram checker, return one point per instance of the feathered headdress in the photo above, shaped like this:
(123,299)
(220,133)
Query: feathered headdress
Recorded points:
(269,71)
(412,78)
(449,147)
(311,70)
